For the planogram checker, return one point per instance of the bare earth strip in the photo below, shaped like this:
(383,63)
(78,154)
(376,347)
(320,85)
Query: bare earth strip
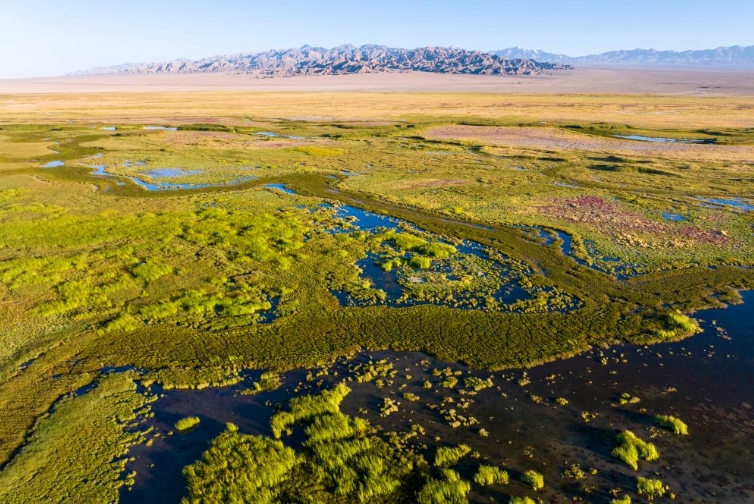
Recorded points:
(555,140)
(578,81)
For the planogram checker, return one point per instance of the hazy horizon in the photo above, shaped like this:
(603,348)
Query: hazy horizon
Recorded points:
(48,38)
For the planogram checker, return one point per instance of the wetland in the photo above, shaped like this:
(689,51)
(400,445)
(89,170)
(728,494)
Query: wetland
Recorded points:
(425,308)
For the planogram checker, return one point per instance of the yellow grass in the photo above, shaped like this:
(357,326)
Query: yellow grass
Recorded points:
(235,107)
(22,150)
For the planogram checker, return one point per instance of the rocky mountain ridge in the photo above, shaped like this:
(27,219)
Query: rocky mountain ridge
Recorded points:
(346,59)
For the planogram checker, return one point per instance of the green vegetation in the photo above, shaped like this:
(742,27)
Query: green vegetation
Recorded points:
(265,464)
(522,500)
(533,479)
(449,489)
(86,438)
(650,488)
(631,449)
(676,425)
(187,423)
(447,456)
(340,461)
(490,475)
(626,499)
(192,287)
(626,398)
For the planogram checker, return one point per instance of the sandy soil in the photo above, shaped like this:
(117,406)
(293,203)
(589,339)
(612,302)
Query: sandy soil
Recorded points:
(581,80)
(556,140)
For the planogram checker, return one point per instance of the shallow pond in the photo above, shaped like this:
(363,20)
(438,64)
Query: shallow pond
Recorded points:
(280,187)
(706,380)
(53,164)
(641,138)
(730,202)
(171,172)
(673,217)
(157,173)
(161,128)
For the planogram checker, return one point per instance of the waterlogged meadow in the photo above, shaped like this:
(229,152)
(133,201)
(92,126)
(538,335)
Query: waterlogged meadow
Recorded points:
(136,260)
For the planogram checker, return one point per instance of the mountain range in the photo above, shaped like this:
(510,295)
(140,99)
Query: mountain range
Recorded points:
(349,59)
(733,57)
(345,59)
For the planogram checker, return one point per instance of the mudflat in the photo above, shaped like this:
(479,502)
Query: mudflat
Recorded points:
(612,80)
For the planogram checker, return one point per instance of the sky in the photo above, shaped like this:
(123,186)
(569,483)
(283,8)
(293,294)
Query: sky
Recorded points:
(56,37)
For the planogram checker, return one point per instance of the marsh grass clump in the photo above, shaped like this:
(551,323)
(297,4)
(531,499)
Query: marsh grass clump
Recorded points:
(187,423)
(339,460)
(574,472)
(626,499)
(372,370)
(491,475)
(678,326)
(675,424)
(389,406)
(651,488)
(626,398)
(631,449)
(266,465)
(534,479)
(447,456)
(267,382)
(477,384)
(521,500)
(449,489)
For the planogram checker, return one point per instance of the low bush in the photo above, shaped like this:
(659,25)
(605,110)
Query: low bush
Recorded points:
(187,423)
(675,424)
(491,475)
(631,449)
(533,479)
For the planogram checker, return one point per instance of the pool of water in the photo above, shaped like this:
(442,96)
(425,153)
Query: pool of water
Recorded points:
(99,171)
(706,380)
(161,128)
(53,164)
(730,202)
(171,172)
(281,188)
(641,138)
(673,217)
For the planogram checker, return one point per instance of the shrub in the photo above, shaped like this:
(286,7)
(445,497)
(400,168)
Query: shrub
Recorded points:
(631,449)
(490,475)
(420,262)
(449,490)
(477,384)
(522,500)
(534,479)
(238,466)
(447,456)
(673,423)
(650,488)
(626,499)
(187,423)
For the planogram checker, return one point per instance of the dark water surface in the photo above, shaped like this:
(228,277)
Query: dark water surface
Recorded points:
(706,380)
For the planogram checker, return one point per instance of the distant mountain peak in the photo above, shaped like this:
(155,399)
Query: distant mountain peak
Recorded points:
(733,57)
(344,59)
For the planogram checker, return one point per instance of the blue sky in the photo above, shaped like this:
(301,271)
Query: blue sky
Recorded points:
(54,37)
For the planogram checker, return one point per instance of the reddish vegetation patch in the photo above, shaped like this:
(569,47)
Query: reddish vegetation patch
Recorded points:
(627,226)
